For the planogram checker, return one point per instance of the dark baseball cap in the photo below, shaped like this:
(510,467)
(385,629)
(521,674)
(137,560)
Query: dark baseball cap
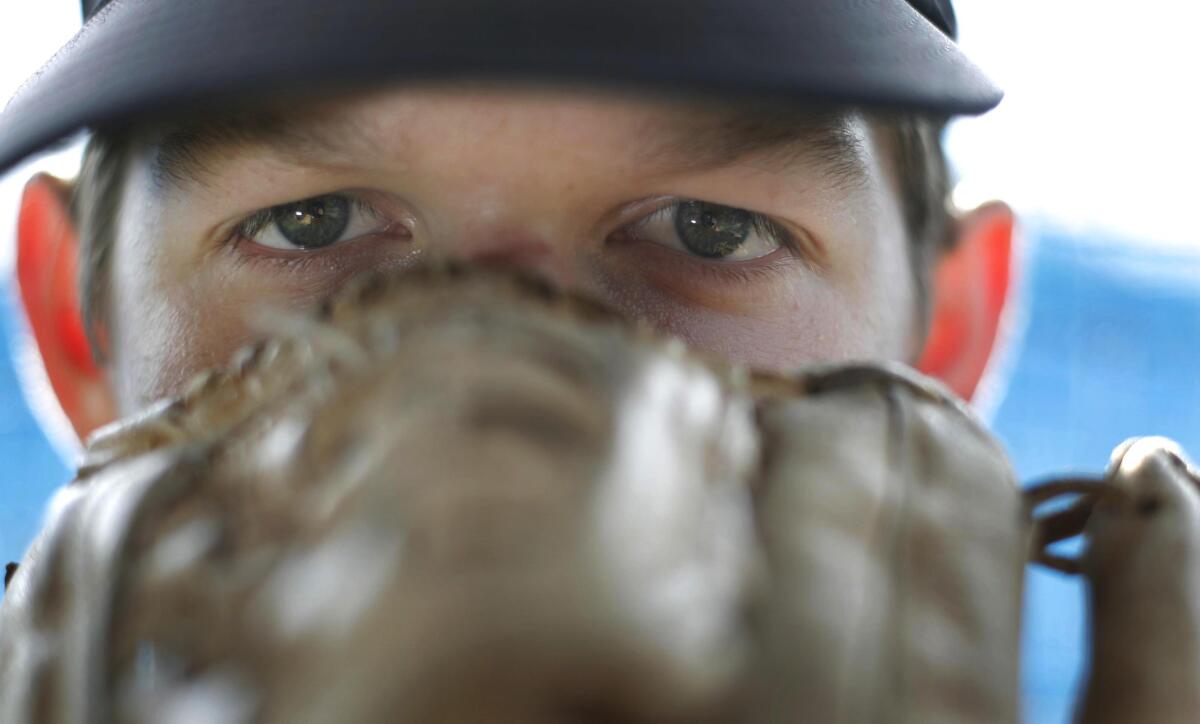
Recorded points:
(135,58)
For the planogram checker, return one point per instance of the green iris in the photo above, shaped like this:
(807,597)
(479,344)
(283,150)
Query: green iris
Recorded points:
(313,223)
(712,231)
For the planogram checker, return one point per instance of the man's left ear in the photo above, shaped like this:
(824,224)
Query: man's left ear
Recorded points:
(47,259)
(970,288)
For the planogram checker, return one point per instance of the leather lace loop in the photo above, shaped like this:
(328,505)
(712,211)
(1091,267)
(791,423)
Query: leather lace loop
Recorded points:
(1065,523)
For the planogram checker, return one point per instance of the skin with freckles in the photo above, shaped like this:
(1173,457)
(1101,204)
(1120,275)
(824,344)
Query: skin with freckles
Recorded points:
(769,258)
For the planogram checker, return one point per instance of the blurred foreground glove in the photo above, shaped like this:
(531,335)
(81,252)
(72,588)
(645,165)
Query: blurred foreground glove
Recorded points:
(1141,525)
(465,498)
(896,543)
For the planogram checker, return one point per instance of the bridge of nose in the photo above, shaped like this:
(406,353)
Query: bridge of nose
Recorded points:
(554,258)
(533,180)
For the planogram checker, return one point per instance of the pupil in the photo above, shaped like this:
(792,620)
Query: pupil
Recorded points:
(710,230)
(314,223)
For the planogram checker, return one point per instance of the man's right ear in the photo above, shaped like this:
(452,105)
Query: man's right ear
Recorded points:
(971,288)
(47,260)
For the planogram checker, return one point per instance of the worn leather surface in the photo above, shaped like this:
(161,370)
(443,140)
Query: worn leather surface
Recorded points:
(459,497)
(896,542)
(1142,565)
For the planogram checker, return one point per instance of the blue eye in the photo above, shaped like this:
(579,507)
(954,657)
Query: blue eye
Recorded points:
(712,231)
(314,223)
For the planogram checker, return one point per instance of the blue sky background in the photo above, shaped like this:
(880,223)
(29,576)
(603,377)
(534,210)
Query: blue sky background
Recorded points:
(1095,146)
(1108,352)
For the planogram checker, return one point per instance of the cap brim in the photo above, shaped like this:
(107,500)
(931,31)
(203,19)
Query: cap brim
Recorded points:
(139,57)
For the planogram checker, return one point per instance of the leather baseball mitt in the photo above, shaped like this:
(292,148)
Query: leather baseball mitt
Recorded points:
(1141,562)
(461,497)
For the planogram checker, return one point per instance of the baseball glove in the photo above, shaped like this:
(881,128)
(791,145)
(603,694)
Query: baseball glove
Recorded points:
(1141,561)
(461,497)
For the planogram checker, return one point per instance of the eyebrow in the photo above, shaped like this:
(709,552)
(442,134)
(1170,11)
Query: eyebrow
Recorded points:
(777,138)
(184,152)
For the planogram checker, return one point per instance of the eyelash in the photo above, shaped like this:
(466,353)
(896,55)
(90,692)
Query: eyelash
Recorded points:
(729,272)
(254,224)
(764,225)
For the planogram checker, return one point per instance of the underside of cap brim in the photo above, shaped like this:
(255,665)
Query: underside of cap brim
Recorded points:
(141,57)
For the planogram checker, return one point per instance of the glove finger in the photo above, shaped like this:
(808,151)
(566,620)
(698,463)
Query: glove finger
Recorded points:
(895,538)
(1143,567)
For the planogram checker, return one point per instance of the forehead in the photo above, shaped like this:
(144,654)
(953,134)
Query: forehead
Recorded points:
(672,134)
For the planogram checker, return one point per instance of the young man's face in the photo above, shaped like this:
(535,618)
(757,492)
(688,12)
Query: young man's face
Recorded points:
(764,249)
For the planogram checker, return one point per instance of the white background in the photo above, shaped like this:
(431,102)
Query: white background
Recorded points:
(1101,125)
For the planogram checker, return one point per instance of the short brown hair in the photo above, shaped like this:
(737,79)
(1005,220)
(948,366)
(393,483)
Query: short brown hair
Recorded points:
(916,139)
